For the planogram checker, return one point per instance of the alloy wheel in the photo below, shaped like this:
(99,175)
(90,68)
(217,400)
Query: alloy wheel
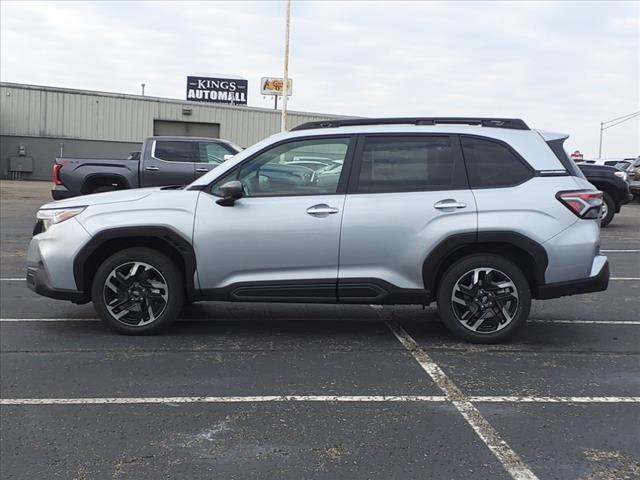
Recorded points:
(484,300)
(135,293)
(604,209)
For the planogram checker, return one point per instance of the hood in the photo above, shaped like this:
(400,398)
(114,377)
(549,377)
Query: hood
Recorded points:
(102,198)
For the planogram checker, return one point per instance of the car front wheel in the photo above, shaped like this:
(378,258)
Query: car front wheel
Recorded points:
(138,291)
(484,298)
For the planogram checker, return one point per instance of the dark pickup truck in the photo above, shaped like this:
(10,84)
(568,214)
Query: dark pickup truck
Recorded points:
(163,161)
(614,185)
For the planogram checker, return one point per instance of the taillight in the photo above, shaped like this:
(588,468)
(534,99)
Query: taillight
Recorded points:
(584,203)
(55,178)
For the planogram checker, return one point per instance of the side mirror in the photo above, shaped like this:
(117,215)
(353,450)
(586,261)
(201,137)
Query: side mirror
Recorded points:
(231,191)
(226,157)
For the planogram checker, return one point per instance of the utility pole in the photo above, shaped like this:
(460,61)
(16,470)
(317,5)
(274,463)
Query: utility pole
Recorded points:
(285,86)
(612,123)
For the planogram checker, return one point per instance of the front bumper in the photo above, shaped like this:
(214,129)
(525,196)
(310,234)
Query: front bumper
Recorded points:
(597,282)
(38,281)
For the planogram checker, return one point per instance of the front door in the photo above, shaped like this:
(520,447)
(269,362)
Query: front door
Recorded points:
(407,193)
(280,240)
(170,162)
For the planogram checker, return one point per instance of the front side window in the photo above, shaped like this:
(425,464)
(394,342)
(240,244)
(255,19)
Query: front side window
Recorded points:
(279,171)
(174,151)
(213,153)
(406,164)
(492,165)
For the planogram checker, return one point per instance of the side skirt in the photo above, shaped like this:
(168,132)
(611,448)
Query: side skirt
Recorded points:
(352,291)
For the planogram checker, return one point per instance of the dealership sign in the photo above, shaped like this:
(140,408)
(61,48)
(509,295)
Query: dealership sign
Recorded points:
(274,86)
(232,91)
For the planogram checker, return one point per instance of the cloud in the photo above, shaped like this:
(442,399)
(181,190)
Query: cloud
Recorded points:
(562,66)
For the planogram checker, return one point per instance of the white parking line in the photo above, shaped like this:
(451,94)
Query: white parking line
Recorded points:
(527,399)
(207,399)
(619,251)
(587,322)
(308,398)
(509,459)
(49,319)
(624,278)
(533,320)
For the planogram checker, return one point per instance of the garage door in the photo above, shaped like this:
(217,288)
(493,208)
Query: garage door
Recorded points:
(187,129)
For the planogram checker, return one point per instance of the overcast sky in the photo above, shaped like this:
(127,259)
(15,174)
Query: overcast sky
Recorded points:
(562,66)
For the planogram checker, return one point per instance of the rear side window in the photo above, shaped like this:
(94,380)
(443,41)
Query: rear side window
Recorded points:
(492,165)
(557,148)
(213,153)
(406,164)
(174,151)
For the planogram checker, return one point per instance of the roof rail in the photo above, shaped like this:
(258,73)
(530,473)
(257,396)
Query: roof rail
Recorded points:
(513,123)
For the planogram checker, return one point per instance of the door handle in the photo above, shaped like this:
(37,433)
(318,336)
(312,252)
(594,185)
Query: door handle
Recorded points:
(449,203)
(152,169)
(322,209)
(202,169)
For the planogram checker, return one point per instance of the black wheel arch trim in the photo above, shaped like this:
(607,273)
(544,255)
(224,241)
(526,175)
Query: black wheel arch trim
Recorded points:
(92,177)
(168,236)
(436,261)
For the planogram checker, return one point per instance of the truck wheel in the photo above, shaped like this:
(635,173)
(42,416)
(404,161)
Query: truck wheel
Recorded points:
(138,291)
(608,210)
(104,188)
(484,298)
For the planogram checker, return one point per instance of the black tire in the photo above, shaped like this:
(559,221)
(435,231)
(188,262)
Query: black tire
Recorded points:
(104,188)
(157,268)
(516,309)
(611,210)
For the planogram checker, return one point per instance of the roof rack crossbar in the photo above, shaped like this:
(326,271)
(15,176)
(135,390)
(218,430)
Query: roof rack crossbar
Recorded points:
(512,123)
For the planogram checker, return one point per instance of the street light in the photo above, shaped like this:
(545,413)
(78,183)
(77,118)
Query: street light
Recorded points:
(285,79)
(613,123)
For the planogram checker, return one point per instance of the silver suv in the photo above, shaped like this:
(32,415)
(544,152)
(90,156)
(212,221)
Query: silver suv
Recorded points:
(480,215)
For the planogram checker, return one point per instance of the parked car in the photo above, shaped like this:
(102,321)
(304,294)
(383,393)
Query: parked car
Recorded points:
(614,184)
(478,215)
(633,170)
(162,161)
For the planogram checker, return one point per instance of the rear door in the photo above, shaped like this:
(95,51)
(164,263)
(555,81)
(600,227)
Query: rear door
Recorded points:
(170,162)
(406,194)
(209,156)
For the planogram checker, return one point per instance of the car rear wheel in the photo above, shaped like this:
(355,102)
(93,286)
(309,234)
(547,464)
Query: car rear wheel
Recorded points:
(138,291)
(484,298)
(608,210)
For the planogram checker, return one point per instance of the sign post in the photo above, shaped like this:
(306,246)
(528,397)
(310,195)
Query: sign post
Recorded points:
(275,86)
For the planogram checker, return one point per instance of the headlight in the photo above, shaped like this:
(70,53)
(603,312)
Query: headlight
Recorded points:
(622,175)
(57,215)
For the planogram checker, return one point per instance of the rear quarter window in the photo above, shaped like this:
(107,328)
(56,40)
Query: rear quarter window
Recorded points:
(491,164)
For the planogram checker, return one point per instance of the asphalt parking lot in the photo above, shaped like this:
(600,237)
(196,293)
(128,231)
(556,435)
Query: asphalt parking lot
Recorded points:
(298,391)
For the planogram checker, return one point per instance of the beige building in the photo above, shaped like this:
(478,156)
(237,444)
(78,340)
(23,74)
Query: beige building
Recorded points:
(38,124)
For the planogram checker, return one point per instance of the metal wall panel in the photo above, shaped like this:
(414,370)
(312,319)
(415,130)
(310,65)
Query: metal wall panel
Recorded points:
(27,110)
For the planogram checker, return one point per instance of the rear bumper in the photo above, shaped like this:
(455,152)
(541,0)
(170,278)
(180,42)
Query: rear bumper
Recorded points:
(597,282)
(38,282)
(60,192)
